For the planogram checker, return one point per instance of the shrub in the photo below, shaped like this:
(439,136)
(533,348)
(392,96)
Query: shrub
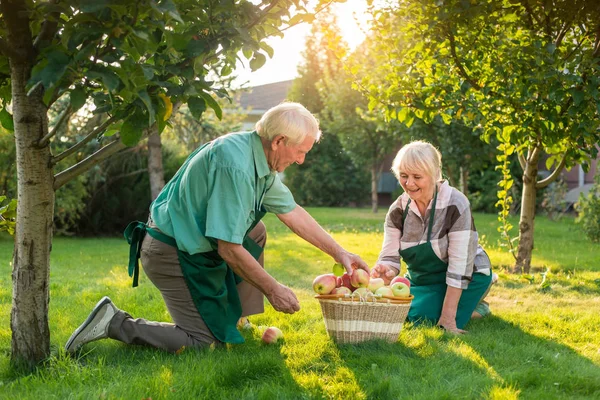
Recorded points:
(588,208)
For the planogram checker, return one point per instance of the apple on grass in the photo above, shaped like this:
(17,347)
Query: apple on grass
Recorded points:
(341,290)
(400,279)
(360,278)
(384,291)
(400,289)
(324,284)
(271,335)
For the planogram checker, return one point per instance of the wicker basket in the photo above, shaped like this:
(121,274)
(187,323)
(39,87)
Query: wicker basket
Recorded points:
(349,319)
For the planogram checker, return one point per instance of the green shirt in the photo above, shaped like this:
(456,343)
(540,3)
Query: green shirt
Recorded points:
(216,191)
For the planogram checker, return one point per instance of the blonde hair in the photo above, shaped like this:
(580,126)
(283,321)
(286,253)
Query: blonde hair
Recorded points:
(292,120)
(418,156)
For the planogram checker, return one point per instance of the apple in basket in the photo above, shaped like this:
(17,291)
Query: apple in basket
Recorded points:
(341,290)
(344,280)
(362,292)
(360,278)
(375,283)
(401,289)
(324,284)
(384,291)
(271,335)
(400,279)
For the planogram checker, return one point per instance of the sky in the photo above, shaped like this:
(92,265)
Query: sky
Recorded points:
(288,50)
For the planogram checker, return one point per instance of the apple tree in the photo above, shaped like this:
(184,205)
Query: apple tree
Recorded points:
(131,60)
(524,72)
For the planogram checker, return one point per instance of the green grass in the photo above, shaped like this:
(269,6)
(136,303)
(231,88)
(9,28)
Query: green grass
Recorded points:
(542,341)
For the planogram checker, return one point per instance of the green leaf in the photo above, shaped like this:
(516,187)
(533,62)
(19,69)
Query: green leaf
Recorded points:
(6,120)
(133,128)
(257,61)
(78,97)
(197,106)
(212,103)
(578,96)
(143,95)
(109,78)
(53,71)
(195,48)
(169,7)
(92,6)
(403,114)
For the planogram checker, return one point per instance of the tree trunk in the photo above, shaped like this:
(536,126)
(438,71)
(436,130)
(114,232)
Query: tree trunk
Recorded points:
(464,180)
(155,165)
(33,237)
(525,249)
(374,196)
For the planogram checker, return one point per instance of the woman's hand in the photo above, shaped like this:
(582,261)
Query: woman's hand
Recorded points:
(449,324)
(385,272)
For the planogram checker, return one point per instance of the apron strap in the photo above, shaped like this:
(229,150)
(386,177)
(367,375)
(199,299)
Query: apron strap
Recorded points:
(431,214)
(135,233)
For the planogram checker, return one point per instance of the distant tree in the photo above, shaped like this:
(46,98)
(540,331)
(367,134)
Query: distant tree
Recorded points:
(328,176)
(524,72)
(127,58)
(366,134)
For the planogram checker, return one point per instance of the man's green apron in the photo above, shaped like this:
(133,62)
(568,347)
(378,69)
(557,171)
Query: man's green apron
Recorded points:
(212,283)
(427,275)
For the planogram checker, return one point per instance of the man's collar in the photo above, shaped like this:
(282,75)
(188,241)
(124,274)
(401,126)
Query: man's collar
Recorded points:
(260,159)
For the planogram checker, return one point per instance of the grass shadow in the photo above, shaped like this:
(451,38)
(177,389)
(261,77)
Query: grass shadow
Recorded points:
(495,359)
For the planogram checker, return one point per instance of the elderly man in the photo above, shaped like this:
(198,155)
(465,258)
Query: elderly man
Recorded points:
(203,244)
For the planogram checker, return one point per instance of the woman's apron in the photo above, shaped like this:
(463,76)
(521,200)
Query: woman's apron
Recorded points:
(427,275)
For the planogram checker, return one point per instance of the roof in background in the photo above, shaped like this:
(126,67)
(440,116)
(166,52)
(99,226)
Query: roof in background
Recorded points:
(266,96)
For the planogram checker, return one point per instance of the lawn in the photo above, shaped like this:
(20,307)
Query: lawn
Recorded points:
(541,342)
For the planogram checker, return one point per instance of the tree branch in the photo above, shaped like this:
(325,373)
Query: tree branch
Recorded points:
(459,65)
(597,43)
(530,13)
(64,117)
(48,29)
(102,154)
(522,161)
(83,141)
(552,177)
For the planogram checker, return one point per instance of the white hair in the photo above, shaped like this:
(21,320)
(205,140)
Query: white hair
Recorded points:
(418,156)
(292,120)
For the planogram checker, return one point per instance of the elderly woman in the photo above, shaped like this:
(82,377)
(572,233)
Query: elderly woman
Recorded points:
(431,228)
(203,245)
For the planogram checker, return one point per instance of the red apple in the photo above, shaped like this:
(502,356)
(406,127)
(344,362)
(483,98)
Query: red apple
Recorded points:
(400,289)
(400,279)
(360,278)
(324,284)
(344,280)
(272,335)
(375,283)
(384,291)
(341,290)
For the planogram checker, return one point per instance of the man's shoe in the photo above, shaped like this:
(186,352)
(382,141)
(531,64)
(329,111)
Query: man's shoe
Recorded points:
(95,326)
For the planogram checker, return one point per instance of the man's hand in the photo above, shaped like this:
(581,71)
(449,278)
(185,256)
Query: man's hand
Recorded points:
(385,272)
(283,299)
(352,261)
